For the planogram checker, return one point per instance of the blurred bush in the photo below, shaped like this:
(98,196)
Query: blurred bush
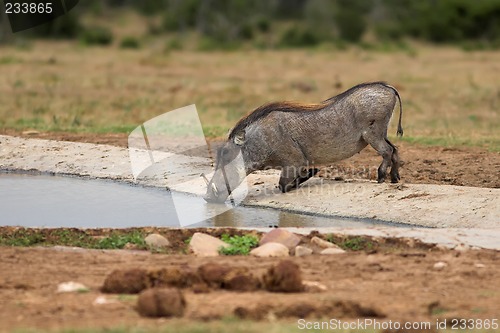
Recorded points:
(226,24)
(130,42)
(298,37)
(449,21)
(96,35)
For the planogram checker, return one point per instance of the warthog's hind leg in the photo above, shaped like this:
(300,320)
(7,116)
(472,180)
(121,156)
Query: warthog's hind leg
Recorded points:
(287,184)
(395,163)
(385,150)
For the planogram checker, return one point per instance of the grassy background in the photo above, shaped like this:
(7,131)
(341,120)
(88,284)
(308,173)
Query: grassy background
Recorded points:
(450,96)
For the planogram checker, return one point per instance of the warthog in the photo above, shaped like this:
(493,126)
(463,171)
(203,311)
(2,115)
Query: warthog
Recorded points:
(295,137)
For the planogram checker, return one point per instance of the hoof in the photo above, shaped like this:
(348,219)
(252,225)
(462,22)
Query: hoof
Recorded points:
(395,178)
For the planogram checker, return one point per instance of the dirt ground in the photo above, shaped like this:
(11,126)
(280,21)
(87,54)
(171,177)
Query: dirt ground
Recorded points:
(464,166)
(392,281)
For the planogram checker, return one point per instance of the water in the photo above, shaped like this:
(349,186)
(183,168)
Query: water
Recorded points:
(56,201)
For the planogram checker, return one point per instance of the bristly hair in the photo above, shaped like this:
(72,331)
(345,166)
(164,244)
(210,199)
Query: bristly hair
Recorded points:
(351,90)
(266,109)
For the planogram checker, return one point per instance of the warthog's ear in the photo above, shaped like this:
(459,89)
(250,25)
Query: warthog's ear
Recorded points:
(239,138)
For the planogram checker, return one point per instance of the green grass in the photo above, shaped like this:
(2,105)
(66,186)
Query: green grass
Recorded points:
(118,241)
(25,237)
(7,60)
(239,245)
(356,244)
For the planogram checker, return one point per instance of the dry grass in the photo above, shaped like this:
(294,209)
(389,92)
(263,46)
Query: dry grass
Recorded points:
(450,97)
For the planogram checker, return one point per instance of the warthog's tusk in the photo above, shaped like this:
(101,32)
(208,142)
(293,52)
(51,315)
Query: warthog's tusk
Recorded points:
(214,188)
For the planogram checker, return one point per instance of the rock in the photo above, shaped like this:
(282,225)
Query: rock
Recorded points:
(313,286)
(284,277)
(332,250)
(161,302)
(301,251)
(204,245)
(320,244)
(282,236)
(130,281)
(270,250)
(439,265)
(479,265)
(70,287)
(156,241)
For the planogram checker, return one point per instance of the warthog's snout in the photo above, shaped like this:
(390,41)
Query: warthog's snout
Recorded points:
(214,199)
(213,195)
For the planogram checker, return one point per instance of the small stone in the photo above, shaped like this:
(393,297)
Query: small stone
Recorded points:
(101,300)
(332,250)
(462,248)
(131,246)
(161,302)
(130,281)
(439,265)
(70,287)
(442,247)
(313,286)
(282,236)
(479,265)
(30,132)
(270,250)
(204,245)
(322,244)
(156,241)
(284,277)
(301,251)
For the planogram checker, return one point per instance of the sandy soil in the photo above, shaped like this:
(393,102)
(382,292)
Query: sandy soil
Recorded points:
(393,283)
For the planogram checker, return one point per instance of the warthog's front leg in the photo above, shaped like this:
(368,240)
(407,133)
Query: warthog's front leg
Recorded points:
(290,180)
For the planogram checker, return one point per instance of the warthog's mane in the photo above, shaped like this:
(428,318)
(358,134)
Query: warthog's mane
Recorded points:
(286,106)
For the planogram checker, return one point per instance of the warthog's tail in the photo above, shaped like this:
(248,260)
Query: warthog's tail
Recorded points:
(400,127)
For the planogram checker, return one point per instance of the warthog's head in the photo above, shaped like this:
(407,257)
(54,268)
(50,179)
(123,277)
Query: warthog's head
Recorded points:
(230,170)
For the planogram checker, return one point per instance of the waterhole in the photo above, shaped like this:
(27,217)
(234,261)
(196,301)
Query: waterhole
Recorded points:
(58,201)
